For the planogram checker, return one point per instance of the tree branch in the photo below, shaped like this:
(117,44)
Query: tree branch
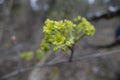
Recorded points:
(108,14)
(49,64)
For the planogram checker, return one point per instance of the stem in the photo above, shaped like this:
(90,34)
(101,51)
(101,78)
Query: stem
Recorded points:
(72,51)
(72,47)
(81,36)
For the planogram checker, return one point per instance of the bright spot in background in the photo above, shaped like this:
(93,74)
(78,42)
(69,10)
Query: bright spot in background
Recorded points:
(1,1)
(38,6)
(113,8)
(91,1)
(34,5)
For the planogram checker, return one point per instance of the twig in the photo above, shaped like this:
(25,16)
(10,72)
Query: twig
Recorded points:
(15,73)
(108,14)
(72,52)
(49,64)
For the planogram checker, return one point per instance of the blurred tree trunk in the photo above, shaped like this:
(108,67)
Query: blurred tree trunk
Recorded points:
(5,9)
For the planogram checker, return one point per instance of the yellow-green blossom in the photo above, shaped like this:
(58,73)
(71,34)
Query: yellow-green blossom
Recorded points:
(68,43)
(59,25)
(48,26)
(69,24)
(49,22)
(55,48)
(80,27)
(27,55)
(77,18)
(47,29)
(61,35)
(58,39)
(45,46)
(64,33)
(90,30)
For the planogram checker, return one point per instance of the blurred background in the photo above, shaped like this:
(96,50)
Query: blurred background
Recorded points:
(21,23)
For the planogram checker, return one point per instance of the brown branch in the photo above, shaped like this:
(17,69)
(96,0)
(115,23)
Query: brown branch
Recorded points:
(15,73)
(72,53)
(49,64)
(108,14)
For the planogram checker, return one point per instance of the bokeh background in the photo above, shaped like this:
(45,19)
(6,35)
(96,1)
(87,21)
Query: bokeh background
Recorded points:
(21,24)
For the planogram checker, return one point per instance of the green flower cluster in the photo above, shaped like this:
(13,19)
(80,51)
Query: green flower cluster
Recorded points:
(64,33)
(61,35)
(27,55)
